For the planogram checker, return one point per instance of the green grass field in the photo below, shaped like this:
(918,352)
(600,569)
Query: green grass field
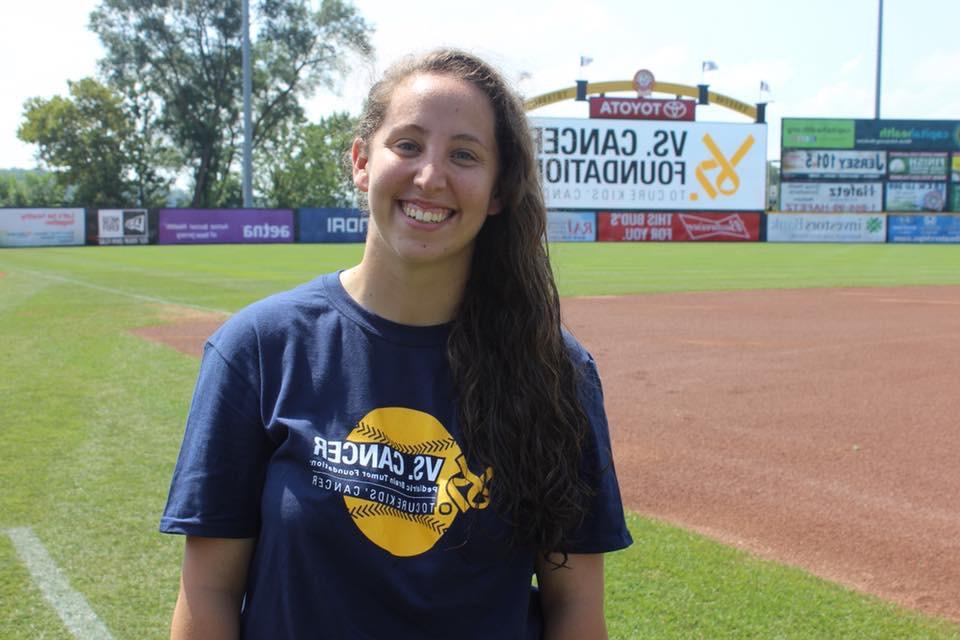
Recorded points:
(91,419)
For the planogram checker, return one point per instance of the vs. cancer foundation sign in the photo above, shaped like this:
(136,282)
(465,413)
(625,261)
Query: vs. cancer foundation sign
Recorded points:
(611,164)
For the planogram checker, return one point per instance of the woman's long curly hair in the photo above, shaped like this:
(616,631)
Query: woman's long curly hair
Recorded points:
(516,386)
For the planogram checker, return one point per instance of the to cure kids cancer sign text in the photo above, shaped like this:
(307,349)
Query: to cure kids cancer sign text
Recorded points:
(650,165)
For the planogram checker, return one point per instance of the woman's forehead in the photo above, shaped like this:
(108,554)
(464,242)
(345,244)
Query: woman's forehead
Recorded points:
(427,99)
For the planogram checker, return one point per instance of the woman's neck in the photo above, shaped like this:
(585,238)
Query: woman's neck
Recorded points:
(408,294)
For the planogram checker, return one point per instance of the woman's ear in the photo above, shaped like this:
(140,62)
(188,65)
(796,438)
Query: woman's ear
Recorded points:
(358,156)
(495,206)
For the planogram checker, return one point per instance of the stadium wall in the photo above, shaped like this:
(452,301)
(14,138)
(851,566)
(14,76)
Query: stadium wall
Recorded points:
(45,227)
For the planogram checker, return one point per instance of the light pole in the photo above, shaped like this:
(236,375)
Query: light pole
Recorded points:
(247,125)
(876,101)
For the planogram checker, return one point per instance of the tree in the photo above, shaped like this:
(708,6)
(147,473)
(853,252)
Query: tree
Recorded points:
(183,57)
(308,167)
(85,139)
(20,188)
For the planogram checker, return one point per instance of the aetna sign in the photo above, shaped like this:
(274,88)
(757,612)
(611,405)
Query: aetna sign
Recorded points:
(642,109)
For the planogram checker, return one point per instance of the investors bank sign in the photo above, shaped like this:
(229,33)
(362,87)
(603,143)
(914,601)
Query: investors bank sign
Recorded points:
(651,165)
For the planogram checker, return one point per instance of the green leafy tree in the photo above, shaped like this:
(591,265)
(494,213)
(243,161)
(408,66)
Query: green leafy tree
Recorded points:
(84,139)
(308,168)
(183,59)
(30,189)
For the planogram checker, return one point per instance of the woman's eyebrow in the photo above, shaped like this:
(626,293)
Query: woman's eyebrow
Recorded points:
(466,137)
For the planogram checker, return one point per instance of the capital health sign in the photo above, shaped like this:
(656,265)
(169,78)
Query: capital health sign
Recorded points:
(651,165)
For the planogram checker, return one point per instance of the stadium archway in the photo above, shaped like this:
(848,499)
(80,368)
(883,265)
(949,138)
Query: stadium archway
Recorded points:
(700,92)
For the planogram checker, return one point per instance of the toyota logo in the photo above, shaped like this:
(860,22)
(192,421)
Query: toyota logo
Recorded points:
(675,109)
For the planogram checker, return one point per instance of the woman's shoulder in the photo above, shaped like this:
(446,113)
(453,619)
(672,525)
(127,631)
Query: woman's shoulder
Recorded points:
(578,354)
(275,316)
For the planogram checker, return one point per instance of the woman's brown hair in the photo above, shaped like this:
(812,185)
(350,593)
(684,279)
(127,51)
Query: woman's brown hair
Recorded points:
(515,385)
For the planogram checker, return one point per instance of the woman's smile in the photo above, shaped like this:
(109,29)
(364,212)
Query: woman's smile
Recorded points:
(425,213)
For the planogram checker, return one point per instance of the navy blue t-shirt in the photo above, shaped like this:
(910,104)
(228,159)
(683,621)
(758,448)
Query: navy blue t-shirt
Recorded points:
(330,435)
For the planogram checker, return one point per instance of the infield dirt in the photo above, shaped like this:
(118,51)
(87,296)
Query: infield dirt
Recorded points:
(817,427)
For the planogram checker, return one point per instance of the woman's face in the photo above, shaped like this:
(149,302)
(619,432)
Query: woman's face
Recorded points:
(429,172)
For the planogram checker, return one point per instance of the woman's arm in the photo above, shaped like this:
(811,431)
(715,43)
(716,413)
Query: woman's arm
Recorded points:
(572,597)
(212,583)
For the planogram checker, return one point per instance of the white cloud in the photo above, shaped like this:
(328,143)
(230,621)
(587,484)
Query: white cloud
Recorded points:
(852,65)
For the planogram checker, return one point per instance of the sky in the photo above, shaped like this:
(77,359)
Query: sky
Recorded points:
(818,57)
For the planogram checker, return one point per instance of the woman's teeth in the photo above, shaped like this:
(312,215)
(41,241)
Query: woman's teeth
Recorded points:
(424,215)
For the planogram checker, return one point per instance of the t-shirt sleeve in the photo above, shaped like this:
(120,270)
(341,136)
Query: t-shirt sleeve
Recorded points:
(218,478)
(604,527)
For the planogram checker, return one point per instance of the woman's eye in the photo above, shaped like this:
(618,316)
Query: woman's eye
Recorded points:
(464,156)
(407,146)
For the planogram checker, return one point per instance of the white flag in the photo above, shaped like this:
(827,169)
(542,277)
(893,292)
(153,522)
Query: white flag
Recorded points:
(585,60)
(764,86)
(709,65)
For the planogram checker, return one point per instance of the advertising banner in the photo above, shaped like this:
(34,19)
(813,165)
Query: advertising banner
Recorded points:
(916,196)
(804,164)
(121,226)
(924,229)
(331,225)
(41,227)
(678,227)
(571,226)
(851,197)
(619,164)
(214,226)
(642,109)
(955,182)
(912,135)
(917,165)
(817,133)
(826,227)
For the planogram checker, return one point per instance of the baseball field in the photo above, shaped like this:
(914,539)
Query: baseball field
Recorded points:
(784,420)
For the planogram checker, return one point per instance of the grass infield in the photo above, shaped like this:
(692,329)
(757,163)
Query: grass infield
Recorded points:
(91,419)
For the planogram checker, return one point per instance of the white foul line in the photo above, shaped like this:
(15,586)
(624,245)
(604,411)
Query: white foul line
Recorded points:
(72,608)
(121,292)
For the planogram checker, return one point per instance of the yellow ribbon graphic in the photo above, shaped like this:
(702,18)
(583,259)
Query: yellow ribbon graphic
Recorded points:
(476,489)
(727,175)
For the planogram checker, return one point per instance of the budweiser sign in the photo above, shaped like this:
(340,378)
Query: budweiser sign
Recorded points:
(660,226)
(729,227)
(642,109)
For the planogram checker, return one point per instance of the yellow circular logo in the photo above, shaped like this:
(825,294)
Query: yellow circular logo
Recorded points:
(403,478)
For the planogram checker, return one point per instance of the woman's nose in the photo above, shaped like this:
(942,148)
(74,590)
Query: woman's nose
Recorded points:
(431,175)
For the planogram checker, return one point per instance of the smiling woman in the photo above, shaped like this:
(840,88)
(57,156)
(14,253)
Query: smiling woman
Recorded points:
(416,433)
(429,174)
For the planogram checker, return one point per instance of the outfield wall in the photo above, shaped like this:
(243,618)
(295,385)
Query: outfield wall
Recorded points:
(41,227)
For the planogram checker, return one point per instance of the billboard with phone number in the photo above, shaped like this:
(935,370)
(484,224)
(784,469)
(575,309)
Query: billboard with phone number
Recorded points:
(233,226)
(831,197)
(678,227)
